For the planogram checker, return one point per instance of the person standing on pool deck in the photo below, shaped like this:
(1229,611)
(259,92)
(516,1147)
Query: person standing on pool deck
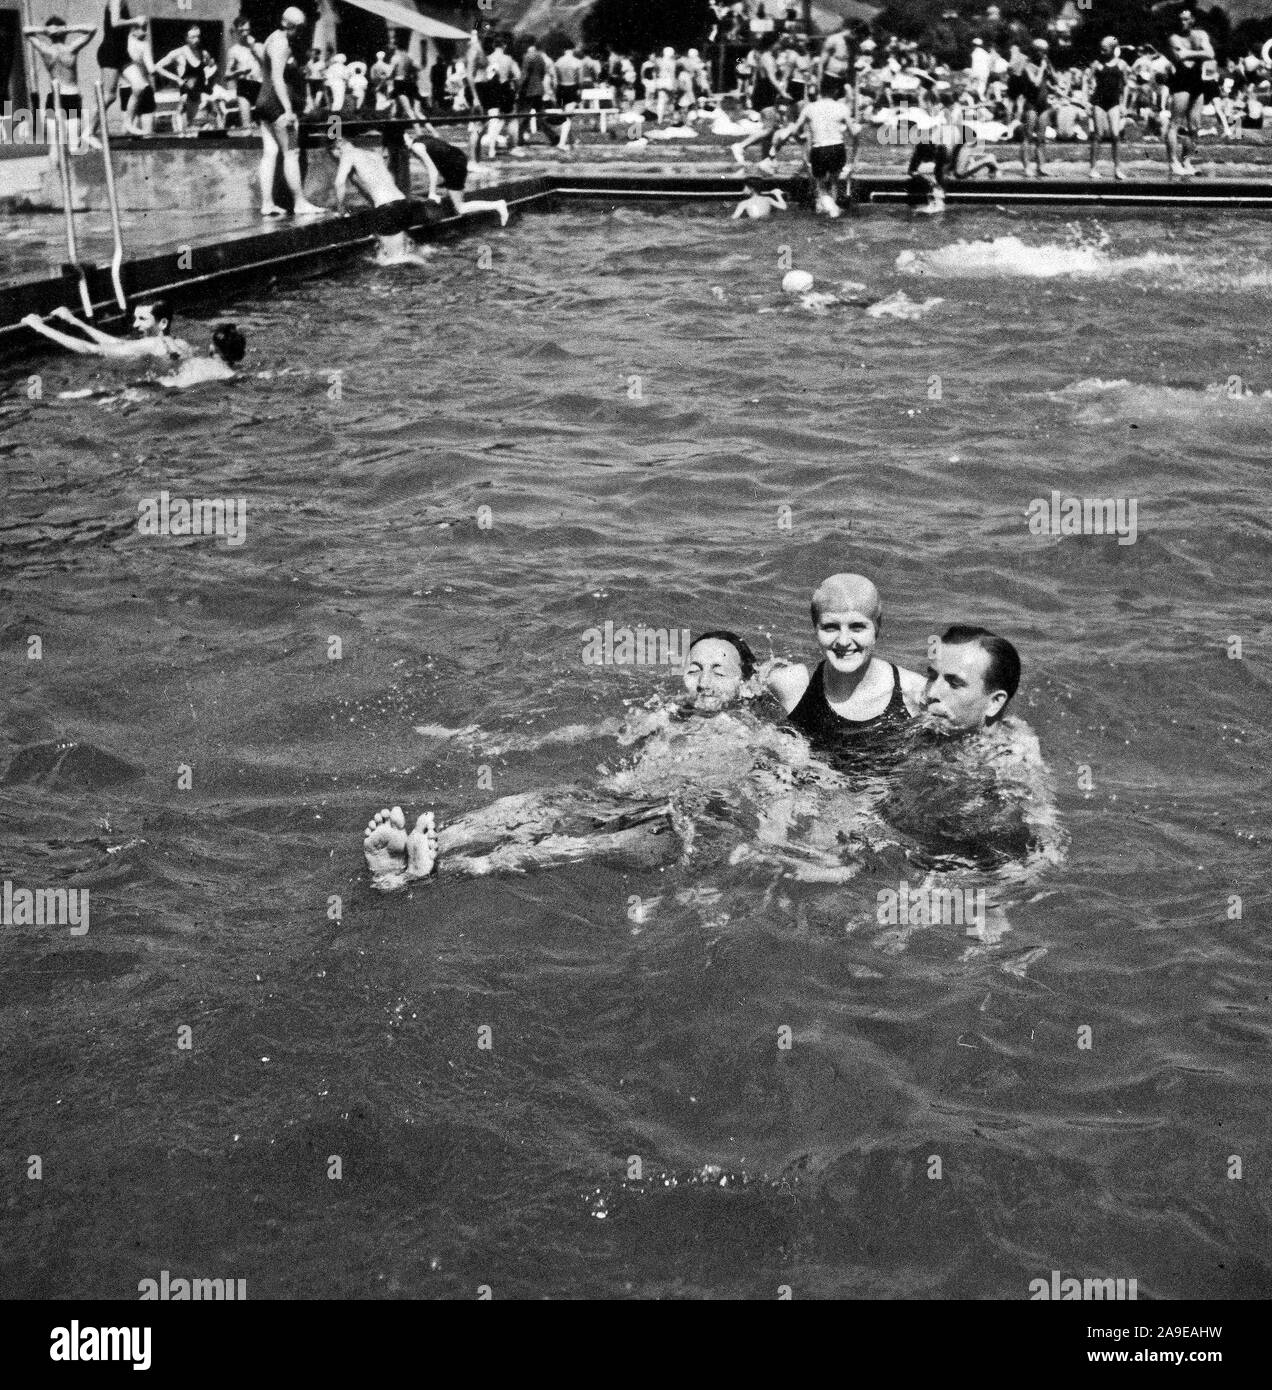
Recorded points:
(112,59)
(828,122)
(852,692)
(243,69)
(1105,86)
(278,111)
(835,63)
(1036,79)
(449,163)
(1190,51)
(59,47)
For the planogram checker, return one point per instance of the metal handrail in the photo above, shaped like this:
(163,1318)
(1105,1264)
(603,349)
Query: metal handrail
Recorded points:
(117,259)
(64,170)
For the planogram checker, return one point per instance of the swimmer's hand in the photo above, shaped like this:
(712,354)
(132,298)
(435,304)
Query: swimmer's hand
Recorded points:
(33,320)
(772,665)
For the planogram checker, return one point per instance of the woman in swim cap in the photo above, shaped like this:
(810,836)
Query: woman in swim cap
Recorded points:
(852,692)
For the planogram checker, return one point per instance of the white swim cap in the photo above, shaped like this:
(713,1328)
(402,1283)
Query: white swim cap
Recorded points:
(797,282)
(292,15)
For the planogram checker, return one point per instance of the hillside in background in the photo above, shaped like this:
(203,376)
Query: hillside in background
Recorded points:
(539,16)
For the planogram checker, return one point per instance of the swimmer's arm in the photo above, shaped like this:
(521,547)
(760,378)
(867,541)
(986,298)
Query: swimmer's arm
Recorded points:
(912,687)
(81,38)
(38,325)
(788,681)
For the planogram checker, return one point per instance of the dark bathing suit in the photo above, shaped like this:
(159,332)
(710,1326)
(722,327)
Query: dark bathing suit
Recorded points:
(112,52)
(814,717)
(268,107)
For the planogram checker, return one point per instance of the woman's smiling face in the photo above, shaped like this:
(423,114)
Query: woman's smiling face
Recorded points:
(848,638)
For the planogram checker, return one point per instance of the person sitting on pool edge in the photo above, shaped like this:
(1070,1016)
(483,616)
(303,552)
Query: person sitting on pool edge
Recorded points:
(696,752)
(852,692)
(149,338)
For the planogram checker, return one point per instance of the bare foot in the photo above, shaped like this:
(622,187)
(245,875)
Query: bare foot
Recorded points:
(385,846)
(272,210)
(304,208)
(502,209)
(421,847)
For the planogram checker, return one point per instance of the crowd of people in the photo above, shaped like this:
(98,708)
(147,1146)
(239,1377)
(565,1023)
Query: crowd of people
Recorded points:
(758,79)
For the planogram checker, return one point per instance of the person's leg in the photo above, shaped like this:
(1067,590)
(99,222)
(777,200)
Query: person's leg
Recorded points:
(465,207)
(110,90)
(269,166)
(301,206)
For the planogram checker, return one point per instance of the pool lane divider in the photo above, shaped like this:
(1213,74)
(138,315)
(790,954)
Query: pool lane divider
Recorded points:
(236,259)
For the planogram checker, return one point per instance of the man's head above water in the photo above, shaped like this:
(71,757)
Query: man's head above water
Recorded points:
(151,319)
(970,680)
(719,670)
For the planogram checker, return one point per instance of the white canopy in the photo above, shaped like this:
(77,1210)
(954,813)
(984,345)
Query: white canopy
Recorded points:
(403,17)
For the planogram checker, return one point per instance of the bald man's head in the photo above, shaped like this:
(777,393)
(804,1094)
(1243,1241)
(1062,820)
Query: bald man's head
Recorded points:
(847,593)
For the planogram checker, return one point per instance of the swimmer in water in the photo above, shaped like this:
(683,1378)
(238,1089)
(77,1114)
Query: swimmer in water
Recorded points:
(977,781)
(853,693)
(757,205)
(227,350)
(150,337)
(698,759)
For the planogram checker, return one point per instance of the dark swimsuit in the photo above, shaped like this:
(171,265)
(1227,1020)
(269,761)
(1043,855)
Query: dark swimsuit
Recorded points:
(268,107)
(112,52)
(814,717)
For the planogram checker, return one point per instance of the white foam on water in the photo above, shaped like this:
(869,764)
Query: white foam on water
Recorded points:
(1104,401)
(901,306)
(1081,258)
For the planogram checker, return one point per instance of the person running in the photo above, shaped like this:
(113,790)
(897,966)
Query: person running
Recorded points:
(193,69)
(853,697)
(112,59)
(150,336)
(1105,86)
(448,164)
(243,71)
(1190,50)
(59,47)
(828,124)
(1035,83)
(776,129)
(278,113)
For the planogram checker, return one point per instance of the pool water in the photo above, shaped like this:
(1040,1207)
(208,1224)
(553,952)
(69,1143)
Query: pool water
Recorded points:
(659,437)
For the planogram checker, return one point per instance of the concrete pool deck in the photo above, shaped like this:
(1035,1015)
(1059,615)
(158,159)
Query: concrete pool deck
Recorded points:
(190,256)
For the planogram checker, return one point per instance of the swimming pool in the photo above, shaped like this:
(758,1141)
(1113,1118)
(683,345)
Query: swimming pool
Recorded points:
(661,438)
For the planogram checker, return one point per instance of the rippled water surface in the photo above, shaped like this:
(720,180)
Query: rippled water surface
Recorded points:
(636,403)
